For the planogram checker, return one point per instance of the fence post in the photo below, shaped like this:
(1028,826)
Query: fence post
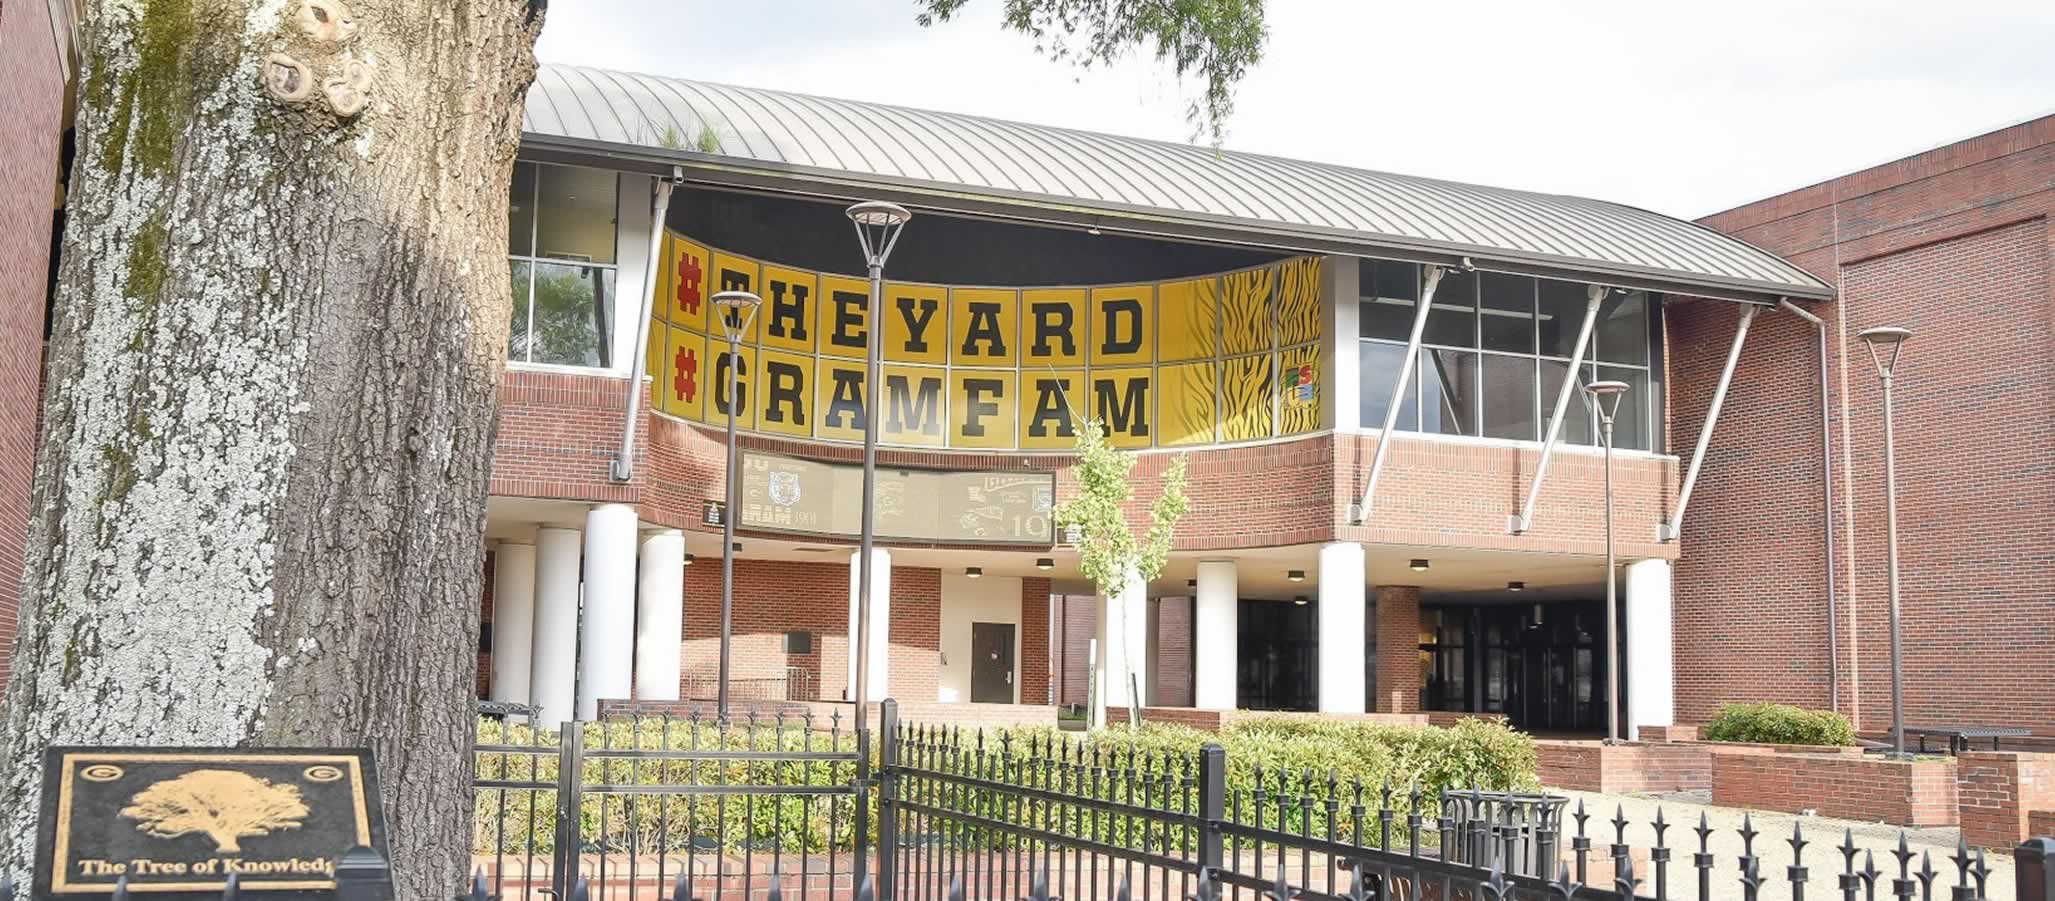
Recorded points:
(1212,805)
(2034,869)
(570,761)
(888,796)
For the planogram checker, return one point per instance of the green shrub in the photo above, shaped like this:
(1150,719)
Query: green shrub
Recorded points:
(1778,724)
(1319,768)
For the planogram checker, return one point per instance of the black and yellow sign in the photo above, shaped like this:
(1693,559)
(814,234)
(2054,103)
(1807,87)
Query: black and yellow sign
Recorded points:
(1191,361)
(787,494)
(177,822)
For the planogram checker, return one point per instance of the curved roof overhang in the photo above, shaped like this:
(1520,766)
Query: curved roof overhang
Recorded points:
(1708,264)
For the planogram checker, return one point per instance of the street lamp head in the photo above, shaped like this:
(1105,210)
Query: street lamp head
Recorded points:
(877,228)
(736,309)
(1884,343)
(1606,396)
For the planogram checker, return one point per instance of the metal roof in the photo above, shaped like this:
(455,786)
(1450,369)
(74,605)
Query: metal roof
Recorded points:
(776,140)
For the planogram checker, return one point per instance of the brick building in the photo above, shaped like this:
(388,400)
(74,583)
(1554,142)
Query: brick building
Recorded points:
(1955,244)
(1250,316)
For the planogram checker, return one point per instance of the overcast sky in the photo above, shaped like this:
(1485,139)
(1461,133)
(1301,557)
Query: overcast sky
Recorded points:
(1686,109)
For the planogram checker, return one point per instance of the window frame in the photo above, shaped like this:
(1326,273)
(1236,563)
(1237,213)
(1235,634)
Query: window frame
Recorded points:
(534,261)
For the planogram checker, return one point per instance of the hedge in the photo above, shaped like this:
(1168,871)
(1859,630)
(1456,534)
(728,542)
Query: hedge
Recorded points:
(1778,724)
(1298,757)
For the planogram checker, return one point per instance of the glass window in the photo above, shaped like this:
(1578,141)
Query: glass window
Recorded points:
(1448,391)
(1380,368)
(1509,398)
(573,315)
(517,335)
(1506,313)
(574,216)
(1389,292)
(1622,329)
(1560,315)
(1577,416)
(1453,320)
(521,212)
(563,311)
(1630,424)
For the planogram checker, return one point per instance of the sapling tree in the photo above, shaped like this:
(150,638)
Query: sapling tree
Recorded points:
(1110,552)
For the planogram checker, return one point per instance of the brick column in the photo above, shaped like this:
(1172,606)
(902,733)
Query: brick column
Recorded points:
(1034,641)
(1398,647)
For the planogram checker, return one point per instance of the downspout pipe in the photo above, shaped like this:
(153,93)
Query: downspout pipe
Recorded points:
(623,467)
(1827,492)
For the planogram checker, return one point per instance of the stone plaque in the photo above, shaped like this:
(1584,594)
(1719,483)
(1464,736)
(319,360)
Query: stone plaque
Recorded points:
(178,821)
(790,494)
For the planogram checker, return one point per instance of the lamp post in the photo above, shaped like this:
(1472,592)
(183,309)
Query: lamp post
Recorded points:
(877,229)
(1884,343)
(737,310)
(1606,397)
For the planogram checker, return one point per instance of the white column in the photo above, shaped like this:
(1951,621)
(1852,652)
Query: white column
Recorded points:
(659,615)
(1123,648)
(1216,618)
(606,633)
(1651,683)
(553,676)
(879,669)
(513,619)
(1342,576)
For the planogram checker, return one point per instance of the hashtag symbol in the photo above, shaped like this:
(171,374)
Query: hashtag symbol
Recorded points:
(686,383)
(689,275)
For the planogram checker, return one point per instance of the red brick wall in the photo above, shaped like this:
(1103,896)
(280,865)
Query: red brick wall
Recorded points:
(32,108)
(1997,791)
(2041,823)
(1623,768)
(1915,793)
(558,433)
(1398,629)
(1078,618)
(1034,641)
(773,597)
(1955,244)
(1172,672)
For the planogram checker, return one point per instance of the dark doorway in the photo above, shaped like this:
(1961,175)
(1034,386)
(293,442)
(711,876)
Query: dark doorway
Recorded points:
(991,663)
(1538,664)
(1280,656)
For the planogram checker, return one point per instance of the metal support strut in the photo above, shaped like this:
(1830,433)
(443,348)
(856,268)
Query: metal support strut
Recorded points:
(1668,531)
(1525,519)
(1431,281)
(622,468)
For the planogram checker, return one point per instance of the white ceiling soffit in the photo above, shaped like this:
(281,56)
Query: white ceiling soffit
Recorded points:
(773,140)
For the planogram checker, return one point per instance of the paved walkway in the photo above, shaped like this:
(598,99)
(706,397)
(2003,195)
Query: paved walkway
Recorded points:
(1823,836)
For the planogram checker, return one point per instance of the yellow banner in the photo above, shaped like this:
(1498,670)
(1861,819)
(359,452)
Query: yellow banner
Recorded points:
(1194,361)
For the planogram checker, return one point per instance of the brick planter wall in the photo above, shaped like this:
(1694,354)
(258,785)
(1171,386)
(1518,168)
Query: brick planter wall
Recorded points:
(1623,768)
(2041,822)
(1904,793)
(1213,720)
(1997,791)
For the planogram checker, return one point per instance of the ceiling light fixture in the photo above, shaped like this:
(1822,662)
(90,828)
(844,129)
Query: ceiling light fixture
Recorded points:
(1419,565)
(1516,586)
(1296,575)
(973,572)
(1299,601)
(1045,563)
(688,559)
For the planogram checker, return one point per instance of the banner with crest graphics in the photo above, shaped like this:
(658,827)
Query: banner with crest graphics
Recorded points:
(1192,361)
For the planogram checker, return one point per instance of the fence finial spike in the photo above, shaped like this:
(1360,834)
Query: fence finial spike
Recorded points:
(6,888)
(1039,889)
(582,891)
(1282,891)
(679,890)
(864,892)
(479,889)
(1125,894)
(233,889)
(120,889)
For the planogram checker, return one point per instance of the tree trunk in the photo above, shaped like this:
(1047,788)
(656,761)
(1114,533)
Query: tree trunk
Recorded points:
(281,319)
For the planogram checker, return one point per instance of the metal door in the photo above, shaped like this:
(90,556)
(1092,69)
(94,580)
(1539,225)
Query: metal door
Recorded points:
(991,663)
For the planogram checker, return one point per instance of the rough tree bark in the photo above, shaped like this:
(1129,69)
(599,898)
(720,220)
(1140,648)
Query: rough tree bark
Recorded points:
(283,308)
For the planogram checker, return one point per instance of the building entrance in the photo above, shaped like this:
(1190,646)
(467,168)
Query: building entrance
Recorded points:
(1280,656)
(1539,665)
